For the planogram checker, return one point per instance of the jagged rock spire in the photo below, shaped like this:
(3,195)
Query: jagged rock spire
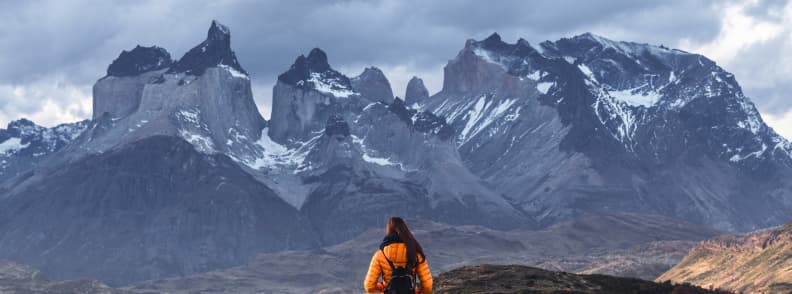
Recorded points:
(373,85)
(336,125)
(416,91)
(212,52)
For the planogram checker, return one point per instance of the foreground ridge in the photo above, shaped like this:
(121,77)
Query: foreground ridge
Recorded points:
(523,279)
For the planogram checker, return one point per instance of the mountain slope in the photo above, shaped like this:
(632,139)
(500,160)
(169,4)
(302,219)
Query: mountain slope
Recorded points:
(589,124)
(19,279)
(757,262)
(150,209)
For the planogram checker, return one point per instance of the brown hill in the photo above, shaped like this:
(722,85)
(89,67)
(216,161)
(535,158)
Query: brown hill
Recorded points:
(753,263)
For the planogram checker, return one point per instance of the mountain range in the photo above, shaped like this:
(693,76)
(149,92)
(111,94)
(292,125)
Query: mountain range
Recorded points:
(177,172)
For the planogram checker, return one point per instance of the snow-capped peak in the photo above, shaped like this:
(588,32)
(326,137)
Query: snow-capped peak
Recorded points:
(314,72)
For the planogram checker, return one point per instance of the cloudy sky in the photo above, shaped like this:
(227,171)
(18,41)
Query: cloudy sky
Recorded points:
(51,52)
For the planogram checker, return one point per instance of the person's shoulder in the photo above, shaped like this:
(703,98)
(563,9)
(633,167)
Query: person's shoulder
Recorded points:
(421,257)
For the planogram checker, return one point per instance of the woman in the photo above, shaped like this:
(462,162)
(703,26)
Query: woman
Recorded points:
(399,259)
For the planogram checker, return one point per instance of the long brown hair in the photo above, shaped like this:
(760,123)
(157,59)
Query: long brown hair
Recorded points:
(396,225)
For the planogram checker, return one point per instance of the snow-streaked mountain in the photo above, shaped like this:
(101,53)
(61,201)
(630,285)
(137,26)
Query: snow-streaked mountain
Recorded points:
(23,144)
(362,155)
(589,124)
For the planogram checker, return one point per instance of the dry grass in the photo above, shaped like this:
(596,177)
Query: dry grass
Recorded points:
(759,270)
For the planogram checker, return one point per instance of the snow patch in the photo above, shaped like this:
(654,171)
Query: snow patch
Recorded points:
(234,73)
(275,154)
(757,154)
(634,97)
(587,71)
(482,115)
(201,143)
(473,116)
(543,87)
(536,75)
(12,145)
(329,86)
(378,160)
(190,116)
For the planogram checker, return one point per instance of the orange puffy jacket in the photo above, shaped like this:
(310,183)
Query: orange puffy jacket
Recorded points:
(397,253)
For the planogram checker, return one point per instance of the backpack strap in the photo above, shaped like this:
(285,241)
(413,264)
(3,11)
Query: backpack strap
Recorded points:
(390,263)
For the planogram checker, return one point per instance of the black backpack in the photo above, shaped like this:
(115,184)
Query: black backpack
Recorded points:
(402,280)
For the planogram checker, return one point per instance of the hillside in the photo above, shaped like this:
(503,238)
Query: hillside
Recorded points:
(521,279)
(758,262)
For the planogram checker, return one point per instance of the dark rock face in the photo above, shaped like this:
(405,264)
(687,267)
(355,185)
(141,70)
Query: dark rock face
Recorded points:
(423,121)
(588,113)
(214,51)
(416,91)
(137,213)
(373,84)
(336,125)
(139,60)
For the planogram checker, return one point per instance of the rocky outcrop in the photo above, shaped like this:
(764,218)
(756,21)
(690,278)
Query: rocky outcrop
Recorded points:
(205,97)
(416,91)
(306,95)
(752,263)
(122,88)
(373,85)
(215,51)
(139,60)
